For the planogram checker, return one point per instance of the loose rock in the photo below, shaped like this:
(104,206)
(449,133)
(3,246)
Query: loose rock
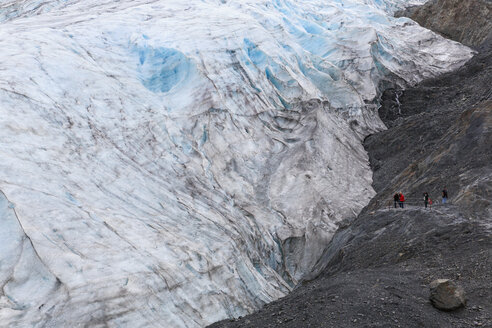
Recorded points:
(446,295)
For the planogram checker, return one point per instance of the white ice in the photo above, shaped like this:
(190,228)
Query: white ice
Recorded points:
(173,163)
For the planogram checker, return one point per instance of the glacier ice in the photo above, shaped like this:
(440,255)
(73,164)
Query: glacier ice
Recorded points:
(172,163)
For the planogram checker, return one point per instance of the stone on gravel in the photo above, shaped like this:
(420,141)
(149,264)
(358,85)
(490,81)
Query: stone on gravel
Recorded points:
(446,295)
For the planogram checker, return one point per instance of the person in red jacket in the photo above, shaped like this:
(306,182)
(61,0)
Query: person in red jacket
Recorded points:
(402,199)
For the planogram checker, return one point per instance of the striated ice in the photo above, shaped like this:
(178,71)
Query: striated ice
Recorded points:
(173,163)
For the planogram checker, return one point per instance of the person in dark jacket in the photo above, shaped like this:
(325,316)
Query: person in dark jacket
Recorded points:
(402,200)
(396,199)
(426,199)
(444,195)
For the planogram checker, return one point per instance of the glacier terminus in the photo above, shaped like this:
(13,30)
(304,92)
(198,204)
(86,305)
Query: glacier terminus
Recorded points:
(169,163)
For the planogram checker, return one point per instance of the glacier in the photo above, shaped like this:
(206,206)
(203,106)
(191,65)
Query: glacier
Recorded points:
(171,164)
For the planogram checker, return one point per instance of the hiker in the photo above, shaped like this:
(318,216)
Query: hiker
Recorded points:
(426,199)
(396,199)
(444,195)
(402,200)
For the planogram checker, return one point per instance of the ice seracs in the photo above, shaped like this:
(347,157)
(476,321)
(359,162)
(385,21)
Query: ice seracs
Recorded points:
(175,163)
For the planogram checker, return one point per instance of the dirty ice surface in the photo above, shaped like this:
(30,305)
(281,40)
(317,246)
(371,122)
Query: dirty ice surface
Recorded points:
(173,163)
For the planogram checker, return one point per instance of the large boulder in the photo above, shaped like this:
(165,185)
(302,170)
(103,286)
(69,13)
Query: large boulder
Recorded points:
(446,295)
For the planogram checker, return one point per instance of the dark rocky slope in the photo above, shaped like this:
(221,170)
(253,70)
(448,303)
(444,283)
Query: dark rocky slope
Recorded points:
(376,270)
(379,270)
(466,21)
(423,116)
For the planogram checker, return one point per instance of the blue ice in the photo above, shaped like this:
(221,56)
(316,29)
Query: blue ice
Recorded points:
(257,57)
(276,82)
(311,27)
(71,198)
(161,69)
(204,136)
